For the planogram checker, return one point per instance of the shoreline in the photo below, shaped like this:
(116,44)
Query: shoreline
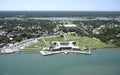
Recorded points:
(53,54)
(29,42)
(46,53)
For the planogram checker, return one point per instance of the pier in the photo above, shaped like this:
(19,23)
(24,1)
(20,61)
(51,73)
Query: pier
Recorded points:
(45,53)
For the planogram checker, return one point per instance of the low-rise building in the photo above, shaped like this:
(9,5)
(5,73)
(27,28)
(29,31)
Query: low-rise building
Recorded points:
(65,45)
(70,25)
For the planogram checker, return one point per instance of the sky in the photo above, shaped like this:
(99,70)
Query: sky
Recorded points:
(60,5)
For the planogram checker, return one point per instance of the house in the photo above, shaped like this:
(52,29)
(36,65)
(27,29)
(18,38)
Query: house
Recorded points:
(113,40)
(118,35)
(96,31)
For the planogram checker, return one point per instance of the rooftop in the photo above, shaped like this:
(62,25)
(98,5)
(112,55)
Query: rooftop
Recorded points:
(70,25)
(65,45)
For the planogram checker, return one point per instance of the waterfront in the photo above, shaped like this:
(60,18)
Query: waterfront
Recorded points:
(101,62)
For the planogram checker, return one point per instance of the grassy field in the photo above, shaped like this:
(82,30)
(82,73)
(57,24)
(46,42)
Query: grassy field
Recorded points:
(87,41)
(80,41)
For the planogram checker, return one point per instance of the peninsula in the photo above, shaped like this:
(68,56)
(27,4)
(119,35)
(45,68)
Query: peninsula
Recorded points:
(64,34)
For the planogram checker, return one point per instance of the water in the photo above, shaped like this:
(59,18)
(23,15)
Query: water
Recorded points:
(74,18)
(61,18)
(60,13)
(101,62)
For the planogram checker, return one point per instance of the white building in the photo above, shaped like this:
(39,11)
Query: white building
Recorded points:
(65,45)
(96,31)
(70,25)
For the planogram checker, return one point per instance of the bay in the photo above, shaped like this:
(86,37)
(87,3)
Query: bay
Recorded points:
(100,62)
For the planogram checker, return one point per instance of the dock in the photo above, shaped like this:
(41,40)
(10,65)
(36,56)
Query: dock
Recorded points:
(46,53)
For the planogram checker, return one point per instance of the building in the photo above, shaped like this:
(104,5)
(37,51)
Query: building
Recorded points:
(70,45)
(96,31)
(70,25)
(2,32)
(10,48)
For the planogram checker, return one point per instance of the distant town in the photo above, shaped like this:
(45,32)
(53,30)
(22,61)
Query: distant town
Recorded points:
(19,32)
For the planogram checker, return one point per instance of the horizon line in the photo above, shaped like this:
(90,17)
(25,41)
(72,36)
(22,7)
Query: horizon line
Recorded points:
(67,10)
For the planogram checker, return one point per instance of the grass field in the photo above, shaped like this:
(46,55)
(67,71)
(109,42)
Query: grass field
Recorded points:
(80,41)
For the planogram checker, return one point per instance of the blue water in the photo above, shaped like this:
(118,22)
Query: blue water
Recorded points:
(60,13)
(101,62)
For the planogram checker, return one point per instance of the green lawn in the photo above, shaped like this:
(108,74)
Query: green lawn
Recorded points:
(87,41)
(80,41)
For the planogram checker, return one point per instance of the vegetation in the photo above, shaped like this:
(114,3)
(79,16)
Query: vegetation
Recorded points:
(18,26)
(80,41)
(19,30)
